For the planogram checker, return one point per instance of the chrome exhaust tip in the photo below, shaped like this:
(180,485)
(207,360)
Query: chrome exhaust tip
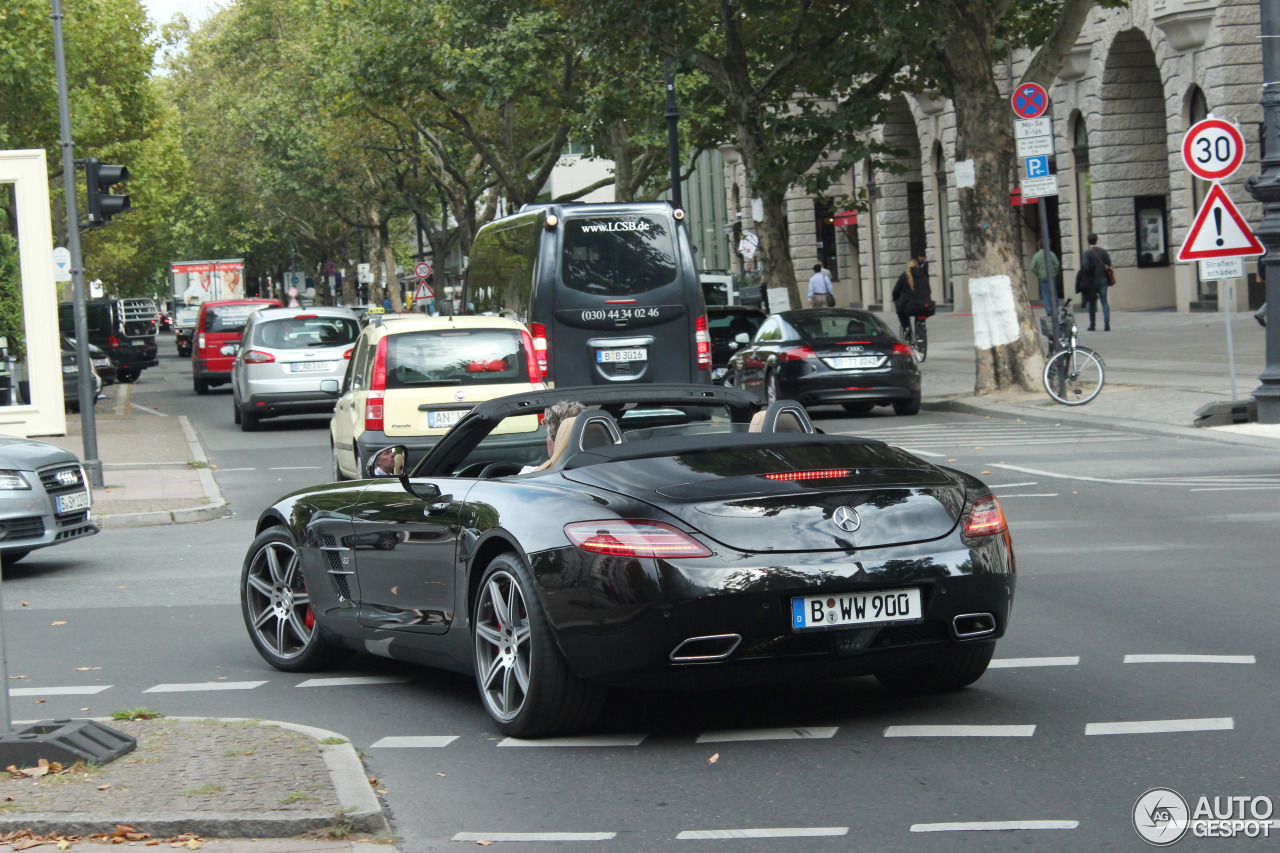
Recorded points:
(705,649)
(967,626)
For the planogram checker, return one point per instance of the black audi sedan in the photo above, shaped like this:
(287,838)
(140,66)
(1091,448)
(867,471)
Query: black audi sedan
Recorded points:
(828,356)
(677,536)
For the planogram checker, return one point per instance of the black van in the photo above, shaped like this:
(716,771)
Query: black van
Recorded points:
(609,292)
(124,328)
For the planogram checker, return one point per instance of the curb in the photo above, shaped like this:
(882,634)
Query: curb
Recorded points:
(978,406)
(358,805)
(217,506)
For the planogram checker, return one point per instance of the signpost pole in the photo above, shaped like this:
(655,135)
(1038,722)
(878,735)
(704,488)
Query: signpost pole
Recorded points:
(1266,189)
(1231,350)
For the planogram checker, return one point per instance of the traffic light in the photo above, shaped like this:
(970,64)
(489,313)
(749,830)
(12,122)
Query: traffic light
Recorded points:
(100,178)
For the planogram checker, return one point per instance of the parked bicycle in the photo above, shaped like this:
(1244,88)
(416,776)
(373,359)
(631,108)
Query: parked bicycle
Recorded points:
(916,336)
(1073,375)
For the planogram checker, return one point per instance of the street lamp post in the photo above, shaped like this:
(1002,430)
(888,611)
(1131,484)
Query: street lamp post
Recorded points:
(1266,189)
(673,134)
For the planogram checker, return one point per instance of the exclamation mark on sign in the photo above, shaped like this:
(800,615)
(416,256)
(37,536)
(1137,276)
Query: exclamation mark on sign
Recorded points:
(1217,223)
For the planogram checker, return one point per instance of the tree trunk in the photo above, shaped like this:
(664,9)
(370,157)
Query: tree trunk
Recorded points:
(984,134)
(389,258)
(350,294)
(774,251)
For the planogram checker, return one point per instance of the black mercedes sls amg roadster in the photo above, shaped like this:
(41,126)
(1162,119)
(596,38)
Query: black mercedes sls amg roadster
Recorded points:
(678,536)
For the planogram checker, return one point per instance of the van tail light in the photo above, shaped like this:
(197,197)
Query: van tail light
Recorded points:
(531,357)
(985,518)
(623,538)
(901,349)
(539,333)
(347,354)
(702,343)
(114,342)
(379,382)
(199,341)
(373,410)
(797,353)
(256,356)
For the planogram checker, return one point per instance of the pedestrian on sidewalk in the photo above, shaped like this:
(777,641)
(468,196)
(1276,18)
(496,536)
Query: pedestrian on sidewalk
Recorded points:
(1046,272)
(820,293)
(1097,263)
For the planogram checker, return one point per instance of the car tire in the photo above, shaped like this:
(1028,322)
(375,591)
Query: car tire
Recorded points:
(235,411)
(525,683)
(277,609)
(771,388)
(201,387)
(908,407)
(11,557)
(249,422)
(953,670)
(858,408)
(125,374)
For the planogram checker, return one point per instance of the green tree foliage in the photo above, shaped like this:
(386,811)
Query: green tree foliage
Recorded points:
(11,324)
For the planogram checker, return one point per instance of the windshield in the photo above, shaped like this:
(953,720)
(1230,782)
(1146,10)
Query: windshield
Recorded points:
(819,326)
(456,357)
(617,255)
(306,332)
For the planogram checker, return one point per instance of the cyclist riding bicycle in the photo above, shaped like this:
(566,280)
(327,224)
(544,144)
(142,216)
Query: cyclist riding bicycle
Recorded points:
(911,295)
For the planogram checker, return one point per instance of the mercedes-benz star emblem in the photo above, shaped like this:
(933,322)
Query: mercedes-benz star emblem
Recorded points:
(846,518)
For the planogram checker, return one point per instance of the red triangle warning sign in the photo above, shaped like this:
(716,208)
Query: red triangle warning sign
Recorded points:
(1219,231)
(424,291)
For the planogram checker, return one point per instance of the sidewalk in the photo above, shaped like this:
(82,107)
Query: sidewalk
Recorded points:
(154,470)
(1161,367)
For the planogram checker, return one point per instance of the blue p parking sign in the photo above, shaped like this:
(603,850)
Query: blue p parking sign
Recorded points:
(1037,167)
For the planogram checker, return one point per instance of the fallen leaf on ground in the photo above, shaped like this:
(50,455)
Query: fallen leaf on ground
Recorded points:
(63,844)
(713,759)
(484,843)
(12,677)
(57,623)
(103,787)
(41,701)
(439,774)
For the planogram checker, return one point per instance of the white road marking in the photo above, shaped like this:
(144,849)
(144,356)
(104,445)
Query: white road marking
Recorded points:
(918,452)
(225,470)
(587,740)
(407,741)
(1190,659)
(148,411)
(204,685)
(534,836)
(994,825)
(1247,517)
(58,691)
(1237,488)
(960,731)
(730,735)
(1042,495)
(789,832)
(1011,663)
(297,468)
(1242,481)
(1013,485)
(354,680)
(1098,549)
(1141,727)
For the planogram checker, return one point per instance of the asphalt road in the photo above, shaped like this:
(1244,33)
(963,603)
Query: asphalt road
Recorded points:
(1128,547)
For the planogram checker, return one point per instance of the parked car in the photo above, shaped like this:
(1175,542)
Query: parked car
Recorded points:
(285,354)
(184,328)
(739,548)
(828,356)
(412,377)
(44,497)
(725,325)
(124,328)
(101,361)
(71,378)
(218,327)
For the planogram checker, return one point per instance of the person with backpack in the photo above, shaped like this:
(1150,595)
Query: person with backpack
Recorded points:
(1095,278)
(911,294)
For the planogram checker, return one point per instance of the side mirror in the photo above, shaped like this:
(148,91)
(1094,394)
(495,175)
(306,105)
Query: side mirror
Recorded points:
(742,338)
(330,386)
(387,462)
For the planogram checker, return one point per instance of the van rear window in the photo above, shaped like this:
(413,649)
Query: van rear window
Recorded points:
(228,318)
(617,255)
(456,357)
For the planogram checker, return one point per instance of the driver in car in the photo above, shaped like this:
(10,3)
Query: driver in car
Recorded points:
(553,417)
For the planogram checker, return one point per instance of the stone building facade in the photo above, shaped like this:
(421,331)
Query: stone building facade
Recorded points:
(1136,80)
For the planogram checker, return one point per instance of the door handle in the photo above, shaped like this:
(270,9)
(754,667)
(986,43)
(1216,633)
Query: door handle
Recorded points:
(439,505)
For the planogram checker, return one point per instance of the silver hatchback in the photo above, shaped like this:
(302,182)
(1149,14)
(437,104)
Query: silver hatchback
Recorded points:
(284,356)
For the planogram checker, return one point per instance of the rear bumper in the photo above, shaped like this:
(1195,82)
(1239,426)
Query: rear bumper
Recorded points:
(134,358)
(202,371)
(294,403)
(833,388)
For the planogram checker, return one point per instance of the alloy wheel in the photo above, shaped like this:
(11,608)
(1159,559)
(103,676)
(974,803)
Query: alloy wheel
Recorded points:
(503,647)
(279,607)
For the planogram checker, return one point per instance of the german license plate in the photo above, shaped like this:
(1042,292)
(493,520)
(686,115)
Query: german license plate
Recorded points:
(140,342)
(613,356)
(311,366)
(855,608)
(74,501)
(854,361)
(440,420)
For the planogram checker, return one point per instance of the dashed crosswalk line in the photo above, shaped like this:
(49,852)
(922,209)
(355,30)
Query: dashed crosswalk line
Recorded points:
(586,740)
(534,836)
(994,825)
(782,832)
(58,691)
(1141,727)
(414,742)
(990,435)
(731,735)
(203,686)
(960,731)
(355,680)
(1012,663)
(1190,659)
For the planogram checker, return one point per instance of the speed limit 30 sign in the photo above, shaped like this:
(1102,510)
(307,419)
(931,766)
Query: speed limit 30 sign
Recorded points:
(1213,149)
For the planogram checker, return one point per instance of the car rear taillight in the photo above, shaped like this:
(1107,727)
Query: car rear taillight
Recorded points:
(531,358)
(539,334)
(621,538)
(200,341)
(379,381)
(702,343)
(986,518)
(797,353)
(347,354)
(114,342)
(817,474)
(373,403)
(901,349)
(255,356)
(306,316)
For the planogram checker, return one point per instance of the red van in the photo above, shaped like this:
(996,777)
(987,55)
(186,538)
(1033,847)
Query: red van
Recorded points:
(219,324)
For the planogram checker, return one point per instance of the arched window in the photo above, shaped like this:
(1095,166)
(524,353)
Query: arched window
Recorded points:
(1084,182)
